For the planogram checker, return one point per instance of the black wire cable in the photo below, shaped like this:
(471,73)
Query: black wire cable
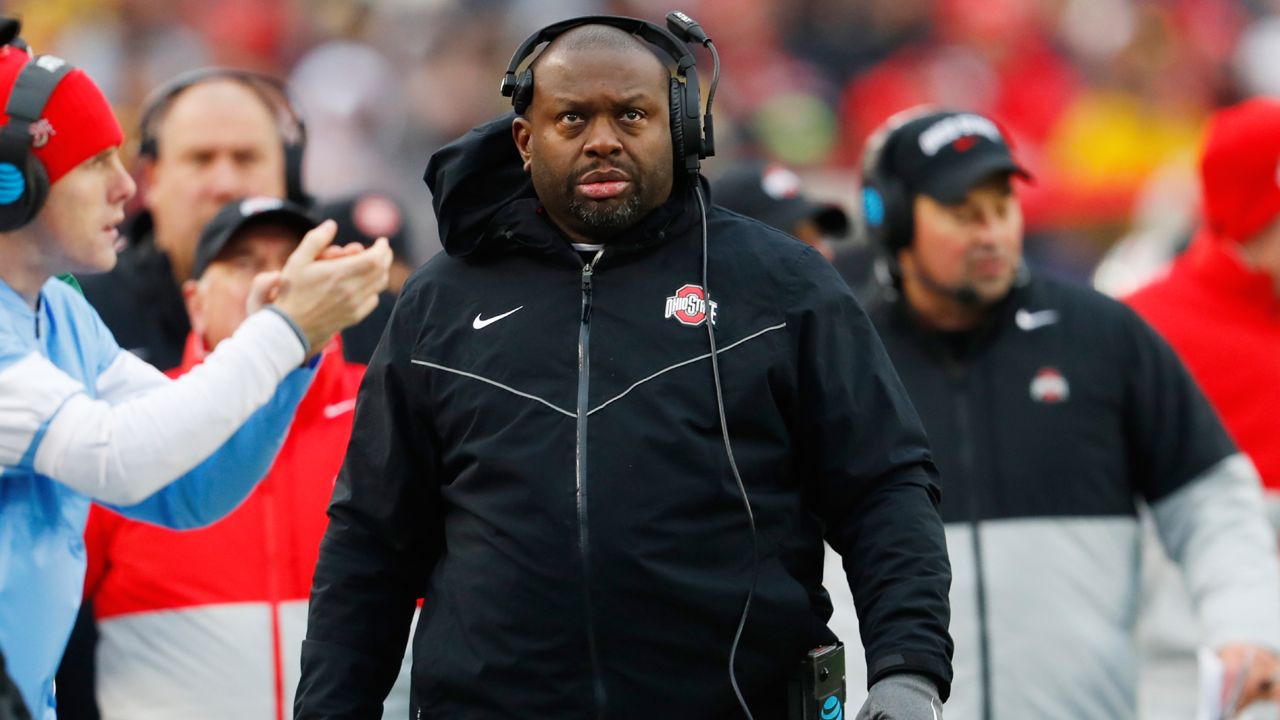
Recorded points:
(733,464)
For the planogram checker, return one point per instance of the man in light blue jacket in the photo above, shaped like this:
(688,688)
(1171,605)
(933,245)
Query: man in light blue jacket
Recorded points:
(82,420)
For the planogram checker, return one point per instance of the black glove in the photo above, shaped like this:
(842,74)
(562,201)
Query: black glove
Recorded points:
(902,696)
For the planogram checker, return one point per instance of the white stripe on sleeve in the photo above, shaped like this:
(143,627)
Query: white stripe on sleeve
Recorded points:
(123,453)
(31,391)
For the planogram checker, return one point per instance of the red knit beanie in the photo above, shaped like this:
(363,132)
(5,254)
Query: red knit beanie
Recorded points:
(1240,169)
(77,122)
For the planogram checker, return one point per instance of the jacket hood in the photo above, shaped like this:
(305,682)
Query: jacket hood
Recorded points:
(473,178)
(484,200)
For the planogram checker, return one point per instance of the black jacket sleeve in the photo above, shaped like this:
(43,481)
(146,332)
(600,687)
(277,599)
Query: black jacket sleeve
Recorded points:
(1173,433)
(871,479)
(382,541)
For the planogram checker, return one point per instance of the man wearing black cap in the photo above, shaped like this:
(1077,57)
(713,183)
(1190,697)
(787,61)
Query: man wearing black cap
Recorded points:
(201,623)
(1053,411)
(363,218)
(774,195)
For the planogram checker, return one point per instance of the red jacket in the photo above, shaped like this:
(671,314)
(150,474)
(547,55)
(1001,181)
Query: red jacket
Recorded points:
(208,623)
(1223,319)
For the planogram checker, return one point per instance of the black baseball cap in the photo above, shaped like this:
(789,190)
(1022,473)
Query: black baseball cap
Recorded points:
(944,154)
(239,215)
(773,194)
(367,216)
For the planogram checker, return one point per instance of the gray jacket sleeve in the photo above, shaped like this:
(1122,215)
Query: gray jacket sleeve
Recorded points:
(1205,496)
(1216,530)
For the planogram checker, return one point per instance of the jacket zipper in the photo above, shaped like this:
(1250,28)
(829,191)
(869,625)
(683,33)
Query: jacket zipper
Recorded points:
(584,368)
(964,424)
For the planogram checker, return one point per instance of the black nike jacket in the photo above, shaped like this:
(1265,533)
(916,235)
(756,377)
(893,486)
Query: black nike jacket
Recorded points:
(537,453)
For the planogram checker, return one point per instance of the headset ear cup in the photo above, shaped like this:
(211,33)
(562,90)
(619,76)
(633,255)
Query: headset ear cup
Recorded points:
(678,153)
(293,187)
(873,214)
(690,106)
(31,185)
(899,217)
(37,188)
(522,97)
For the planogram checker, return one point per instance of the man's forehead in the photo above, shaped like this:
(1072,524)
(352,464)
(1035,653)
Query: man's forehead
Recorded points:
(224,98)
(626,71)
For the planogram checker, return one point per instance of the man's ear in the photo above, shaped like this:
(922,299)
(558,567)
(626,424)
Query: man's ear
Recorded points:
(194,301)
(522,133)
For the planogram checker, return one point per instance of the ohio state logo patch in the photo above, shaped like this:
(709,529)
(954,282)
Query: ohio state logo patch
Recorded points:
(41,130)
(1050,386)
(689,306)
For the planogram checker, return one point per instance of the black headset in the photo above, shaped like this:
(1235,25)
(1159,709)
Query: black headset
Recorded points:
(273,93)
(689,143)
(24,182)
(887,213)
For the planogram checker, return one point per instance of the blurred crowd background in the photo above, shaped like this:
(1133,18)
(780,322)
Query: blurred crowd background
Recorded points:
(1104,98)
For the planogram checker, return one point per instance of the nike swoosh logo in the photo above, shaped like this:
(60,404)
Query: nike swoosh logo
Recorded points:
(334,410)
(480,324)
(1029,321)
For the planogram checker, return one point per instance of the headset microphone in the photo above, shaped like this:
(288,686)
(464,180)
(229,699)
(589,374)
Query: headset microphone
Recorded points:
(682,24)
(687,29)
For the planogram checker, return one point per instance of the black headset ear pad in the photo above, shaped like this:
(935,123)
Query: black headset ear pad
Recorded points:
(522,97)
(294,153)
(887,208)
(678,152)
(887,214)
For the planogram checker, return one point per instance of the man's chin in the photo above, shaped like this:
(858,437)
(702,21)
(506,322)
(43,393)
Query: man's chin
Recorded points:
(599,218)
(992,291)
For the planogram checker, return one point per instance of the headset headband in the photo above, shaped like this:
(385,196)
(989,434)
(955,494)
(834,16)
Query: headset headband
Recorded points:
(692,138)
(653,34)
(34,86)
(292,132)
(274,94)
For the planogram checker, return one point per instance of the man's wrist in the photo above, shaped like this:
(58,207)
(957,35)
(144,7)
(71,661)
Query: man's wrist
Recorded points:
(297,329)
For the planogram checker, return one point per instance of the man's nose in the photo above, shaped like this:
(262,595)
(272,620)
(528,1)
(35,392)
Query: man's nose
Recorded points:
(602,139)
(123,187)
(986,228)
(226,182)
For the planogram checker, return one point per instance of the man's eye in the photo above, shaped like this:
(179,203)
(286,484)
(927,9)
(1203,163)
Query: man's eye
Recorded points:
(633,115)
(570,118)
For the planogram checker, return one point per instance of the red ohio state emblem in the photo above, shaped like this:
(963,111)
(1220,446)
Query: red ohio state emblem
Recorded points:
(689,306)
